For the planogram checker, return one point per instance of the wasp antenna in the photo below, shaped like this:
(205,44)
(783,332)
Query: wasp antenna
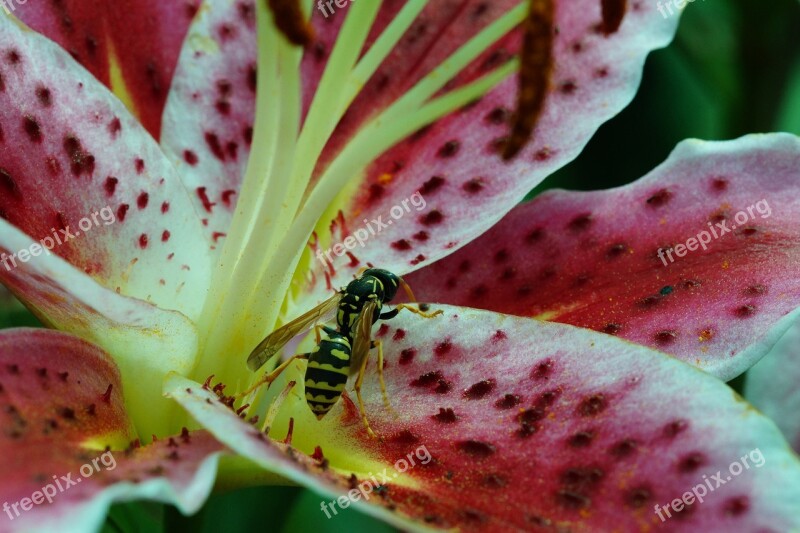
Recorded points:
(407,289)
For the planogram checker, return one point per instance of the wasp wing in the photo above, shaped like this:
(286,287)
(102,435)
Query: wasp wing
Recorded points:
(278,338)
(362,336)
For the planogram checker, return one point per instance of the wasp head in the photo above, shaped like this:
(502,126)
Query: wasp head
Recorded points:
(390,282)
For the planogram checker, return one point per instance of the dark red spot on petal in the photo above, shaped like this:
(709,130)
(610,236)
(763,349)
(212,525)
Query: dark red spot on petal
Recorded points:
(432,218)
(593,405)
(666,337)
(582,439)
(475,448)
(543,369)
(445,416)
(207,204)
(480,389)
(407,356)
(44,96)
(449,149)
(498,115)
(111,185)
(691,462)
(443,348)
(427,379)
(508,401)
(402,245)
(432,185)
(32,128)
(474,186)
(580,223)
(675,427)
(660,198)
(215,145)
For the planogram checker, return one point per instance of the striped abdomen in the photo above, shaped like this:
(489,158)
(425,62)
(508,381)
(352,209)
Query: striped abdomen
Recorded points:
(327,373)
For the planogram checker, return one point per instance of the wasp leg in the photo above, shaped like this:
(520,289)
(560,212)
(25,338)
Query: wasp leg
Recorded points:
(357,388)
(388,315)
(416,311)
(379,346)
(272,376)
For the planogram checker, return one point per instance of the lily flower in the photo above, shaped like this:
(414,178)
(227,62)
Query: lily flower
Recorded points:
(158,264)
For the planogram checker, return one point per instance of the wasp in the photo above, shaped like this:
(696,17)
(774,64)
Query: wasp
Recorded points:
(342,351)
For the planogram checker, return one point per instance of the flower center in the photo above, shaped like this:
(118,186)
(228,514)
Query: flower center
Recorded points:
(285,193)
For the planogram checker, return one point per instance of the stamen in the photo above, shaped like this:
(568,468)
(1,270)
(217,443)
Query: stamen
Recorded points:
(285,190)
(366,146)
(408,114)
(275,406)
(277,121)
(291,21)
(534,77)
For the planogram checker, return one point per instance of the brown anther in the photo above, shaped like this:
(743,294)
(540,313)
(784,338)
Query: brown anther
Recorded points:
(291,21)
(613,13)
(106,396)
(288,439)
(536,68)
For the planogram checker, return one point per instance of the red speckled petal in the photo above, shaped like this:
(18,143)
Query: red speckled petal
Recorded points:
(75,166)
(62,409)
(771,385)
(521,424)
(277,457)
(591,259)
(208,121)
(454,164)
(145,341)
(131,46)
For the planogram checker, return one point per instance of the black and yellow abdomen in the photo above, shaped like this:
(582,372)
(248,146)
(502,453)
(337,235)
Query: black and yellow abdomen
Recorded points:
(327,371)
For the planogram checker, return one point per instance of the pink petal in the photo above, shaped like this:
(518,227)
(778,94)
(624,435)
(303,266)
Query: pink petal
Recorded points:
(74,158)
(146,342)
(591,259)
(771,385)
(62,402)
(521,424)
(140,38)
(208,121)
(454,164)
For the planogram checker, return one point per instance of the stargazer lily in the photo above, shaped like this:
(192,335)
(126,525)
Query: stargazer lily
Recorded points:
(566,416)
